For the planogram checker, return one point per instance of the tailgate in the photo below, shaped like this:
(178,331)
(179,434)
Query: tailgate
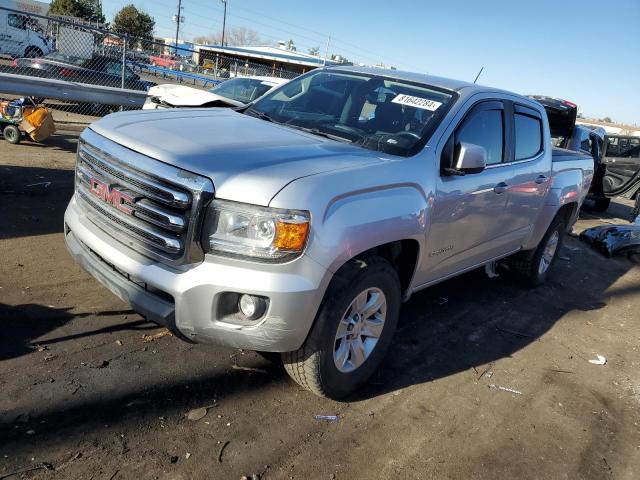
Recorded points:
(561,114)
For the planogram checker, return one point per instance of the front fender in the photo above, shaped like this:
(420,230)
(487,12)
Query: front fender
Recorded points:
(348,219)
(359,221)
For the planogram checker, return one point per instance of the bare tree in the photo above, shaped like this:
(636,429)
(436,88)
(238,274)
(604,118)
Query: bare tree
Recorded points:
(211,39)
(243,36)
(239,37)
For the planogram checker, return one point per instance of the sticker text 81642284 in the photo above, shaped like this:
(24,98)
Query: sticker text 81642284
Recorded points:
(417,102)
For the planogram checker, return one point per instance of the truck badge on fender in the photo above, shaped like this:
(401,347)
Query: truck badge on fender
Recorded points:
(440,251)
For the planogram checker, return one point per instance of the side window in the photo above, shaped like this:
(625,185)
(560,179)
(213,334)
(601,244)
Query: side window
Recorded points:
(485,128)
(17,21)
(631,148)
(528,133)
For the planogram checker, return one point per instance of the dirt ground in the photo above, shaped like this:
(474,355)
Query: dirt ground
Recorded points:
(485,380)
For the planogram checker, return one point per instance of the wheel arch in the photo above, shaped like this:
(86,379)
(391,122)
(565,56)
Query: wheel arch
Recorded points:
(403,256)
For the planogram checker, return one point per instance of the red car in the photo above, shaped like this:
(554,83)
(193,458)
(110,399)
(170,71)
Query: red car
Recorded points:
(163,60)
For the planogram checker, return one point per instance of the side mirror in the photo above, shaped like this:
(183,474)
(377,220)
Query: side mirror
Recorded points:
(470,158)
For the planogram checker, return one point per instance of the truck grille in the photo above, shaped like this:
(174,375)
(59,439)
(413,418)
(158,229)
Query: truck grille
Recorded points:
(151,207)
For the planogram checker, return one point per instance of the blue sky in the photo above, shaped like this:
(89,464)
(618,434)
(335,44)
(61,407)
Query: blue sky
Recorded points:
(584,51)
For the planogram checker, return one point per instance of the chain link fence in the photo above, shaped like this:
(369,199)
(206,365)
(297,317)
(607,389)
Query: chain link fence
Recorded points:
(75,51)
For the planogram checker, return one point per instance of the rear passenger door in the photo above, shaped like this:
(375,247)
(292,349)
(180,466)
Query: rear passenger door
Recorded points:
(530,170)
(621,162)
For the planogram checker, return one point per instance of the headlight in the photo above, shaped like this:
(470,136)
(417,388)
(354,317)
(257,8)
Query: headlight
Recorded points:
(267,234)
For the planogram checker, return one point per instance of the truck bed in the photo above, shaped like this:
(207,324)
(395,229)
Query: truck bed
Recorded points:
(564,155)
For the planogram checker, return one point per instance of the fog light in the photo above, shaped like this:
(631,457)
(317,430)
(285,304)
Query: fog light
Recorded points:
(251,306)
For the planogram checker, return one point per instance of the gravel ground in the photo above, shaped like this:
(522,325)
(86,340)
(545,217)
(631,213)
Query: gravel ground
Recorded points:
(484,380)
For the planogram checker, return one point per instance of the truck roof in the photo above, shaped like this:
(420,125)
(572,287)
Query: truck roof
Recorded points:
(441,82)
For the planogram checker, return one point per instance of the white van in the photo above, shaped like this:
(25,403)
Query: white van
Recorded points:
(18,37)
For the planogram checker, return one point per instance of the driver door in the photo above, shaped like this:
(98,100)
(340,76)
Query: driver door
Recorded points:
(469,212)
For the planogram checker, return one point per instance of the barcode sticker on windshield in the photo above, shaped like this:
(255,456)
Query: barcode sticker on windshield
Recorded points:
(417,102)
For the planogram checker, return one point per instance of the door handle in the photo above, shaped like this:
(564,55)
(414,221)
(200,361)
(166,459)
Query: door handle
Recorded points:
(501,188)
(541,179)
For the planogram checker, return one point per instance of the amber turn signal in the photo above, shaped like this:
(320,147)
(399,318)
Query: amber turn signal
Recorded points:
(291,236)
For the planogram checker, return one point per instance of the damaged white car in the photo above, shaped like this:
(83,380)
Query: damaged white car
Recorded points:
(236,92)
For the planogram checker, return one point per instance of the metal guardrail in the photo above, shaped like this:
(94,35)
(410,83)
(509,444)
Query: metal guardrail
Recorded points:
(70,91)
(180,76)
(82,68)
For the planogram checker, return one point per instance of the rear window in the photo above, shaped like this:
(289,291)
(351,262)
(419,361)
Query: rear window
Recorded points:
(528,136)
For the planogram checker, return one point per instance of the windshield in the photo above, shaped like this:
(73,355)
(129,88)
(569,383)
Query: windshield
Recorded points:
(243,90)
(371,111)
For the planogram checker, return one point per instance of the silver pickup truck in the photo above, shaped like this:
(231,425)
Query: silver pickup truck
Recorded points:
(301,223)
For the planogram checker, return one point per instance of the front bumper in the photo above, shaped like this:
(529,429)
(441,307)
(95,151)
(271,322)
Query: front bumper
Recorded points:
(186,300)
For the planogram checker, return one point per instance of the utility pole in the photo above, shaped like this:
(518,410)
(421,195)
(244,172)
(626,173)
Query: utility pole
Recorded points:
(326,52)
(178,19)
(224,20)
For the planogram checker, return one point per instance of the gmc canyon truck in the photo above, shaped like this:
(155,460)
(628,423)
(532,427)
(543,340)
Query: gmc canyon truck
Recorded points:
(300,223)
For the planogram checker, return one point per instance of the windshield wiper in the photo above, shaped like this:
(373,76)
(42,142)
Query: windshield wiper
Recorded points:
(260,115)
(320,133)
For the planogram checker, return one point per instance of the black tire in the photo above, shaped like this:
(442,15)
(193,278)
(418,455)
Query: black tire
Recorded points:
(601,204)
(11,134)
(526,265)
(32,52)
(313,366)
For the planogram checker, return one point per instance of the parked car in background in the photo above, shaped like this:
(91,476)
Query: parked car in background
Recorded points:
(19,35)
(98,70)
(300,223)
(616,157)
(164,60)
(236,92)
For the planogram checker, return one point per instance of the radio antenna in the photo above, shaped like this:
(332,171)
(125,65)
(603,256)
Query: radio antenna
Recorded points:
(478,76)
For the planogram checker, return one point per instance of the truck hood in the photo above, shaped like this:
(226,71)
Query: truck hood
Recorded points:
(247,159)
(183,96)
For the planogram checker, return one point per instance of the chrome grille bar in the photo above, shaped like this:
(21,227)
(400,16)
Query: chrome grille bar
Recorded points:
(149,206)
(133,180)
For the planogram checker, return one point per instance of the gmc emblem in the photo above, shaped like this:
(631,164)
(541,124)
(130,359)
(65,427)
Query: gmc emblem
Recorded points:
(111,195)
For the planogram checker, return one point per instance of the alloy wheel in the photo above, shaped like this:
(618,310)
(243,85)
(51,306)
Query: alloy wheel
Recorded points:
(359,329)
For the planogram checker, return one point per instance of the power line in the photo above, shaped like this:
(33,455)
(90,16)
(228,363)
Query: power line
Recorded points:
(323,35)
(336,43)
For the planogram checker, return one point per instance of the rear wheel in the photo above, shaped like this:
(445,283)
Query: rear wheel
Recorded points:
(532,267)
(352,331)
(32,52)
(11,134)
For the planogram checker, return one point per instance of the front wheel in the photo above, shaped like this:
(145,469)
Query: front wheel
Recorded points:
(352,331)
(11,134)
